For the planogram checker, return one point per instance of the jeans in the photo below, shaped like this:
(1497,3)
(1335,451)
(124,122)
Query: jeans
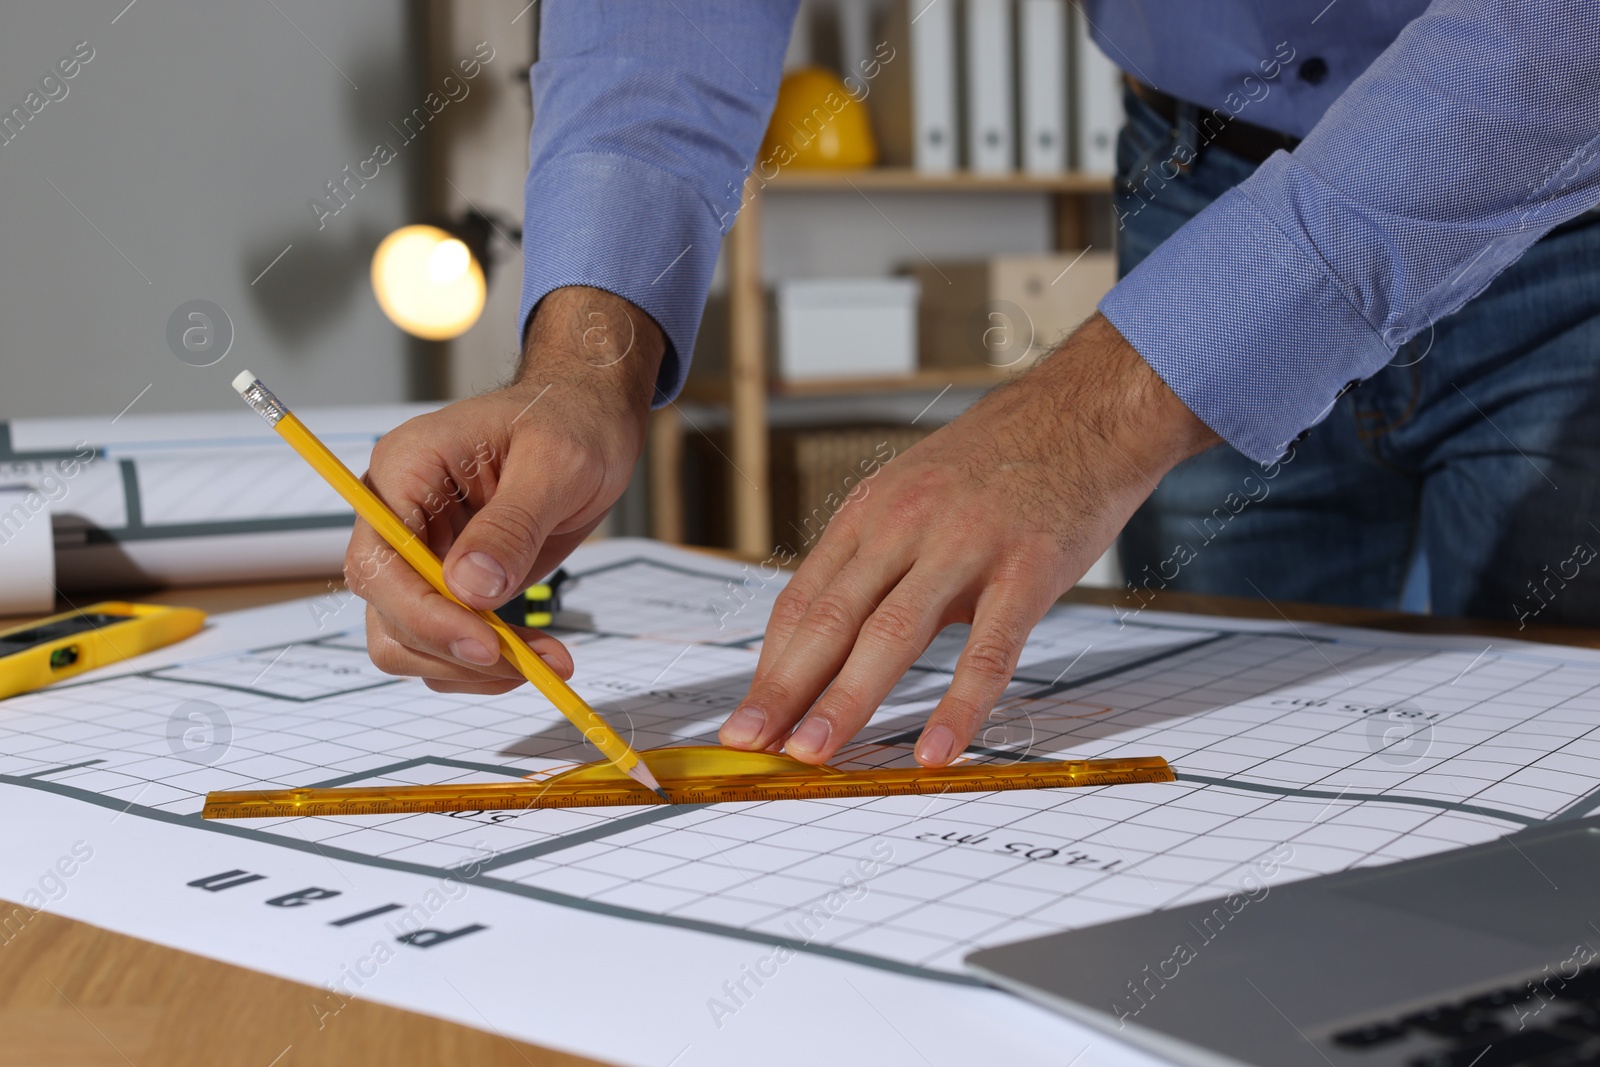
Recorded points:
(1476,450)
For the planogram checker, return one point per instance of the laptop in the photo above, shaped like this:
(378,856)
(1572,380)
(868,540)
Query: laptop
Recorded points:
(1487,956)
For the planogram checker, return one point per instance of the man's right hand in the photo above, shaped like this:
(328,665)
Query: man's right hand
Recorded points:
(504,486)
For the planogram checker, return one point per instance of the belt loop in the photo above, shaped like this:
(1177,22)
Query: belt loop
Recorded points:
(1184,129)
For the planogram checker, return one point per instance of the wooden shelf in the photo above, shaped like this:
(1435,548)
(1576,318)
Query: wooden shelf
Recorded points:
(746,388)
(711,391)
(922,379)
(906,180)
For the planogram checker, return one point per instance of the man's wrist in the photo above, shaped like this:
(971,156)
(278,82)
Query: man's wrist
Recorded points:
(1106,382)
(595,340)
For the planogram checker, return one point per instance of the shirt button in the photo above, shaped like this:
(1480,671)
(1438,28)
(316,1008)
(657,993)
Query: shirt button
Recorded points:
(1314,70)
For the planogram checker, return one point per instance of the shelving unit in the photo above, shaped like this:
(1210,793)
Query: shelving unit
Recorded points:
(906,180)
(716,392)
(747,386)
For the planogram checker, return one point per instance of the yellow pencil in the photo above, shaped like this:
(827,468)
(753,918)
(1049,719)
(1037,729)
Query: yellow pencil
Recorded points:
(596,730)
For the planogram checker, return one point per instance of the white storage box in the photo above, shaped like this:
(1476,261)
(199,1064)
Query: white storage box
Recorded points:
(846,327)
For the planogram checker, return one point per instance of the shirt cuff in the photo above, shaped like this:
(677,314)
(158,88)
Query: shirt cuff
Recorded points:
(1247,327)
(630,228)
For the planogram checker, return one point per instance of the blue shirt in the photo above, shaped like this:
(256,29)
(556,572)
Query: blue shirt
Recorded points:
(1441,141)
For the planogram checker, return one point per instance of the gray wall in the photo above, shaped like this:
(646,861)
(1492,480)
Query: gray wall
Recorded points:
(192,142)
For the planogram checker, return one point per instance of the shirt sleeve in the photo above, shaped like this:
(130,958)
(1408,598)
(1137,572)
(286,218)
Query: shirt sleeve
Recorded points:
(647,116)
(1473,134)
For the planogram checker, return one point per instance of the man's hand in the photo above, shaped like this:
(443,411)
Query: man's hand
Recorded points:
(985,522)
(504,486)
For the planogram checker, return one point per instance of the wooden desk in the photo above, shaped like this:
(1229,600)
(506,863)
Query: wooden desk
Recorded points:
(74,994)
(71,993)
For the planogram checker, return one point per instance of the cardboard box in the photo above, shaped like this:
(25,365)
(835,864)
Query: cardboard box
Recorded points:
(846,327)
(1008,311)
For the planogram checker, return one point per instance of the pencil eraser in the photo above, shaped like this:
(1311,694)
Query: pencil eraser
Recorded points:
(243,381)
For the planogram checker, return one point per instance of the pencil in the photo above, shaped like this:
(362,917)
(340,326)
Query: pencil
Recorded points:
(403,540)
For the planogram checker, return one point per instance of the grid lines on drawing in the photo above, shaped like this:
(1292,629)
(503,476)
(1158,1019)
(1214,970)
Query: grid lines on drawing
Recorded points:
(1282,741)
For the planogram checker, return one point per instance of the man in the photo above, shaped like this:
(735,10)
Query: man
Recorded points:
(1441,141)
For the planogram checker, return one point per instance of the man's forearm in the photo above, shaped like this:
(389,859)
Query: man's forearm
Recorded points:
(593,340)
(648,116)
(1122,400)
(1473,134)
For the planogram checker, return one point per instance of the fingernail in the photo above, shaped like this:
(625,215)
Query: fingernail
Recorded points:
(477,573)
(936,747)
(561,668)
(744,726)
(473,651)
(810,738)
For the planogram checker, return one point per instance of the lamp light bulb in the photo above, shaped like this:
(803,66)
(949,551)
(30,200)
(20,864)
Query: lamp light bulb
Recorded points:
(428,283)
(448,261)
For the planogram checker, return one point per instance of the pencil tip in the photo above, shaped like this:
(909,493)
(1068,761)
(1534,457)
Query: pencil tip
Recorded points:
(641,774)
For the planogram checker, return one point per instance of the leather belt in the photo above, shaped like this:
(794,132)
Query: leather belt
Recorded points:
(1244,139)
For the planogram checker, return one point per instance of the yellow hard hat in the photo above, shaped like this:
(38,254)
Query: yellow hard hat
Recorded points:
(816,123)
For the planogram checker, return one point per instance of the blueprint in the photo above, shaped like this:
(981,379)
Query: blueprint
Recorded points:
(1298,749)
(176,499)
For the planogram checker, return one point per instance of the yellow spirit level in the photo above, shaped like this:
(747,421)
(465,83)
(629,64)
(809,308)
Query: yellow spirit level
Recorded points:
(47,650)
